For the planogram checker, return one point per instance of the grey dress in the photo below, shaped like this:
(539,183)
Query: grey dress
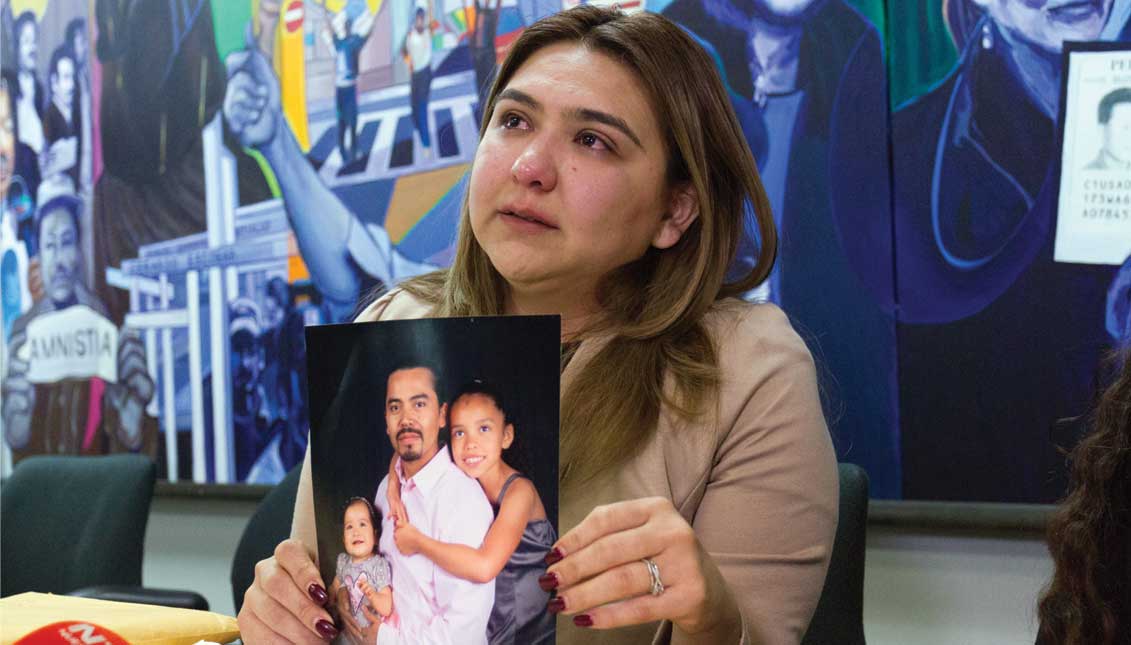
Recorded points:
(519,616)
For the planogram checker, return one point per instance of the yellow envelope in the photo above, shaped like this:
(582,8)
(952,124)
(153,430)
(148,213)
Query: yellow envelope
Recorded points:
(139,624)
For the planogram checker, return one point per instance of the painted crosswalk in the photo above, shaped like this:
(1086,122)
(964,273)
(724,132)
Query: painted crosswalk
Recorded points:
(388,145)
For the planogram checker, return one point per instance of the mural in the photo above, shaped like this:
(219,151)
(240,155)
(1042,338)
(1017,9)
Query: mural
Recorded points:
(1000,346)
(187,184)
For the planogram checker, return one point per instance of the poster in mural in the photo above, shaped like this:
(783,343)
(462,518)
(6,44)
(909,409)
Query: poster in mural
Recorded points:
(1001,346)
(1094,217)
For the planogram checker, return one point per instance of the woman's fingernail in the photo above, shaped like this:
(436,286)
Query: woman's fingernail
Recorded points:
(326,629)
(555,555)
(556,605)
(583,620)
(317,593)
(549,582)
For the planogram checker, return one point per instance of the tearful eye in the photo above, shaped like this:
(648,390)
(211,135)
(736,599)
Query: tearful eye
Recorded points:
(590,140)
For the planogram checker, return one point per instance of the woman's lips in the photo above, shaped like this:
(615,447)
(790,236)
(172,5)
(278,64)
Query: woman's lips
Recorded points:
(527,219)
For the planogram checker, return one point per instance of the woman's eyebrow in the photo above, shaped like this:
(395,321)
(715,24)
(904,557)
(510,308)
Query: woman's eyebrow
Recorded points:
(577,114)
(520,97)
(586,114)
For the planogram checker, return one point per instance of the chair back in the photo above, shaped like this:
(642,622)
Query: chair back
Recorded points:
(72,522)
(839,617)
(268,526)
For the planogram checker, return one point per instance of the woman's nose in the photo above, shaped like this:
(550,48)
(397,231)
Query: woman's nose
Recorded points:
(535,167)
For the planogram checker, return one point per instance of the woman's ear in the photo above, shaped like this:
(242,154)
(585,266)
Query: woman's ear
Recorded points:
(683,208)
(508,435)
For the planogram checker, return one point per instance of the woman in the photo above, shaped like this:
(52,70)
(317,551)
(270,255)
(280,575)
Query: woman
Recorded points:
(698,482)
(1089,598)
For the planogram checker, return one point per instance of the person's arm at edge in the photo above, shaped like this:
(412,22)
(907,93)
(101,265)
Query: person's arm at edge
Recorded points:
(775,468)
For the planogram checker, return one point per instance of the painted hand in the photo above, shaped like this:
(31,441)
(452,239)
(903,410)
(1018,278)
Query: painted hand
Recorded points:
(252,107)
(18,395)
(134,389)
(602,580)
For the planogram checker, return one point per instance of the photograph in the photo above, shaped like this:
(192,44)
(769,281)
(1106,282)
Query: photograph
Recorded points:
(1094,219)
(434,455)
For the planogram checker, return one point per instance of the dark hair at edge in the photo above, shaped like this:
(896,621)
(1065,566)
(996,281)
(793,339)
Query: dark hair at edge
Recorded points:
(481,387)
(74,27)
(1087,601)
(26,17)
(427,364)
(373,521)
(1109,101)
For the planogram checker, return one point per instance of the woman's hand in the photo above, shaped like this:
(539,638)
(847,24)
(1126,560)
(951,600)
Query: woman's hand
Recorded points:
(285,602)
(370,636)
(602,580)
(407,537)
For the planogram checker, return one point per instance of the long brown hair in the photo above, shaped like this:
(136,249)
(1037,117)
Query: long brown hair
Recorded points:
(652,307)
(1087,601)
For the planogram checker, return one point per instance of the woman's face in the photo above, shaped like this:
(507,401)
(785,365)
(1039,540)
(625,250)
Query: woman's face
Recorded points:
(480,434)
(358,535)
(569,178)
(1048,23)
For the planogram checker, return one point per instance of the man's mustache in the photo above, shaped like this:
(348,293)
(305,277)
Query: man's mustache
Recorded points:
(404,431)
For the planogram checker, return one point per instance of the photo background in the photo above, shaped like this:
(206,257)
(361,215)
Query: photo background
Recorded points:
(349,366)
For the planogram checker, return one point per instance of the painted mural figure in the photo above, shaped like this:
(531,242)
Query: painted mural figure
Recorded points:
(348,34)
(1115,118)
(986,313)
(417,52)
(73,415)
(160,86)
(62,119)
(808,84)
(345,257)
(76,41)
(15,204)
(29,91)
(482,45)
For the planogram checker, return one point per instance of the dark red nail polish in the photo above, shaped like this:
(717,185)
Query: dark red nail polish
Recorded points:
(326,629)
(583,620)
(554,556)
(317,593)
(549,582)
(556,605)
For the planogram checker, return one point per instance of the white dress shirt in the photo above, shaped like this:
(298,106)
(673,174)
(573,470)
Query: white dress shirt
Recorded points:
(433,606)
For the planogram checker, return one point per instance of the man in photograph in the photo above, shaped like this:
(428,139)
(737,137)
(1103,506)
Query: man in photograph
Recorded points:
(1115,120)
(433,606)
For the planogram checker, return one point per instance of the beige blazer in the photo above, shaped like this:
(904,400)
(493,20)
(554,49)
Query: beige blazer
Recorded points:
(758,483)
